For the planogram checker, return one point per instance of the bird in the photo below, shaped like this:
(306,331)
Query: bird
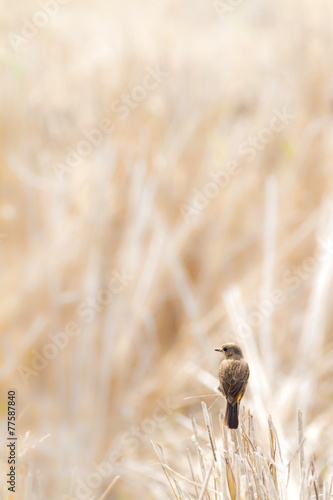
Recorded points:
(234,374)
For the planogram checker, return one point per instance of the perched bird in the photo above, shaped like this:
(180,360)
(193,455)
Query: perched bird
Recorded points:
(234,373)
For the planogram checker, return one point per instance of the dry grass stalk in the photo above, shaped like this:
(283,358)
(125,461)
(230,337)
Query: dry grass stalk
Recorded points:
(243,469)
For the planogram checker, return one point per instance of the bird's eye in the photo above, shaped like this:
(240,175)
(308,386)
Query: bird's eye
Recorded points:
(224,348)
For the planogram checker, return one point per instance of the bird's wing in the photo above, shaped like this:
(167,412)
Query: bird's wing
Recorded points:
(234,377)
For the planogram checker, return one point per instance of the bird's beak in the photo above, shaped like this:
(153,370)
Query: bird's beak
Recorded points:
(219,350)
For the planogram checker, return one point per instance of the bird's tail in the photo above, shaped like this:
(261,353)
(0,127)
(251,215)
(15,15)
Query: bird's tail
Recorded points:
(231,416)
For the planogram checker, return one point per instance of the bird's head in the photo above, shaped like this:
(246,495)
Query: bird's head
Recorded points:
(231,351)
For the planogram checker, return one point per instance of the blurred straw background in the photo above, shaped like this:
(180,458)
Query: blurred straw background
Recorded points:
(166,96)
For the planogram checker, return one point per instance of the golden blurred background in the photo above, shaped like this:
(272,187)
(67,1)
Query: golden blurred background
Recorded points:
(166,186)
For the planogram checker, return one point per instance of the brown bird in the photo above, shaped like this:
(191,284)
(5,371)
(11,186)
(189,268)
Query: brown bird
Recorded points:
(234,373)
